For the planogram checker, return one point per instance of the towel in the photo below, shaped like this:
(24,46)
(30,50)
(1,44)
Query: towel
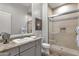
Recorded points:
(78,40)
(77,31)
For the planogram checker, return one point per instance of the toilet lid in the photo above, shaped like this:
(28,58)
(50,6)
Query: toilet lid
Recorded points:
(45,45)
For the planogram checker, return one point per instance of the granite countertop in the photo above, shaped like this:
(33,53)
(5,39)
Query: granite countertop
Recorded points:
(11,44)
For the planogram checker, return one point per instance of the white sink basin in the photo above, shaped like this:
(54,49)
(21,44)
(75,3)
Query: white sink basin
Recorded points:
(24,40)
(33,36)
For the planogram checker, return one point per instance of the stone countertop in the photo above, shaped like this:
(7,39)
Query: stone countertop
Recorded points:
(11,44)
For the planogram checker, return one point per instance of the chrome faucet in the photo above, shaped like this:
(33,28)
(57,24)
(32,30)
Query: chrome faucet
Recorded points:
(5,37)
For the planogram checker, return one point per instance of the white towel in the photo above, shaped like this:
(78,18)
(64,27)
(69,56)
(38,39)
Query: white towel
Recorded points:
(77,30)
(78,40)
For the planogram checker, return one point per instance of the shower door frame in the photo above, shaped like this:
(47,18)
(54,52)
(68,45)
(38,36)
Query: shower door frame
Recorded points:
(65,13)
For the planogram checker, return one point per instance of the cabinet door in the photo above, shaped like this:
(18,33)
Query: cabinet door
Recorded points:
(14,51)
(26,46)
(29,52)
(5,53)
(11,52)
(38,48)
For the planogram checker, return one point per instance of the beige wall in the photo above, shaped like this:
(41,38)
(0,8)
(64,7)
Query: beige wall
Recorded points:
(65,37)
(50,11)
(78,14)
(66,8)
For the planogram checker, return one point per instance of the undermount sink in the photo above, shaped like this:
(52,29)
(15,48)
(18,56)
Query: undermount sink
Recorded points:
(24,40)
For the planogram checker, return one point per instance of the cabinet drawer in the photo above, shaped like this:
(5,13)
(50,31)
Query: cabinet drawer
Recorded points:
(26,46)
(14,51)
(29,52)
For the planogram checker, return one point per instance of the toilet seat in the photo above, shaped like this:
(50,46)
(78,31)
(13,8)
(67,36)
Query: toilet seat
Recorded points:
(45,45)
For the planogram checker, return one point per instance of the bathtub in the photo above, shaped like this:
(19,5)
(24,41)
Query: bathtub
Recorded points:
(56,50)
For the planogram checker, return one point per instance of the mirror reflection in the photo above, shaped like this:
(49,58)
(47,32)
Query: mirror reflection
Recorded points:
(18,18)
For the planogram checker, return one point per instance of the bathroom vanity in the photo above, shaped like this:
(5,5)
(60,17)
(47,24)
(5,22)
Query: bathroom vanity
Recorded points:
(28,48)
(18,25)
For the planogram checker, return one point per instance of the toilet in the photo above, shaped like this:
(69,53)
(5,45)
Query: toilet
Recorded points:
(45,48)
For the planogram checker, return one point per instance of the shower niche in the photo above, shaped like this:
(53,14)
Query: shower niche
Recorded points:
(62,29)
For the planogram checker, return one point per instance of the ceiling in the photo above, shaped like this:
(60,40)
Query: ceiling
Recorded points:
(55,5)
(51,5)
(28,6)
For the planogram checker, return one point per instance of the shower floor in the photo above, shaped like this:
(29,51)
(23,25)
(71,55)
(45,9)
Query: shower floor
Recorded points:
(56,50)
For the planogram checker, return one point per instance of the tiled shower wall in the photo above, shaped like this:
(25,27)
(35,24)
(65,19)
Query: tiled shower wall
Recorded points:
(65,37)
(62,32)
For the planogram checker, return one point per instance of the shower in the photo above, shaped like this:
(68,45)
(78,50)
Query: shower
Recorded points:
(62,28)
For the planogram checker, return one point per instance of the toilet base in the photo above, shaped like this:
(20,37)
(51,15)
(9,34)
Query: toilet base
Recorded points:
(45,49)
(44,54)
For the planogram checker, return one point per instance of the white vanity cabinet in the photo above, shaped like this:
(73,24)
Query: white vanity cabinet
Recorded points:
(29,49)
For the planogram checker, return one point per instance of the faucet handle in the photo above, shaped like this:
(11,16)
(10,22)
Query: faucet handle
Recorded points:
(5,35)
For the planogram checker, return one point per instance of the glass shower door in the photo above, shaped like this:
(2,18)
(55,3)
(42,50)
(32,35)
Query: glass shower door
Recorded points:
(62,33)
